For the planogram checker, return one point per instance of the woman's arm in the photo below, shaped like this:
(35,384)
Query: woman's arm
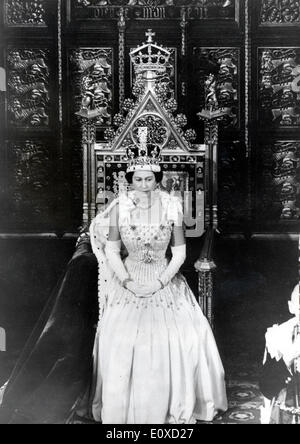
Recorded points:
(114,232)
(178,248)
(113,247)
(177,237)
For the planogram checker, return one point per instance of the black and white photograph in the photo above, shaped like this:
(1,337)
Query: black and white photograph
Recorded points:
(149,214)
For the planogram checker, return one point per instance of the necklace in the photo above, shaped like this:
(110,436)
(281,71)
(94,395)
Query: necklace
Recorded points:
(147,207)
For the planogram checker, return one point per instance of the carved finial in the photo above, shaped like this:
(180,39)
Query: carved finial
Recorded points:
(121,22)
(150,56)
(150,35)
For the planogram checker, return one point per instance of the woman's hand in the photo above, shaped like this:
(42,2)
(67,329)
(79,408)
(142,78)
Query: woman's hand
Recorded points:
(133,286)
(153,288)
(139,290)
(143,290)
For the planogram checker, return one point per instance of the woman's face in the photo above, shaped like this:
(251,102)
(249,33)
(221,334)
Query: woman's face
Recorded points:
(143,181)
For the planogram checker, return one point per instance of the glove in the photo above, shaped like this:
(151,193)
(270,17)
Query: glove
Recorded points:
(178,258)
(112,251)
(143,290)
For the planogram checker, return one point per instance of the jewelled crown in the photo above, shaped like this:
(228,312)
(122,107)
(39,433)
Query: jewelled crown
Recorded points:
(150,56)
(144,157)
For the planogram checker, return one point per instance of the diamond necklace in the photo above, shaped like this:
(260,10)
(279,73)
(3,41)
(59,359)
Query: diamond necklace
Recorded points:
(137,200)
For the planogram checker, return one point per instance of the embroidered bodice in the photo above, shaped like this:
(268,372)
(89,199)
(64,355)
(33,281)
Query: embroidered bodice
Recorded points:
(146,234)
(146,243)
(145,237)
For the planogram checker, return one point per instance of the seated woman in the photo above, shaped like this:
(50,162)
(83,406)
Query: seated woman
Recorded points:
(155,357)
(280,376)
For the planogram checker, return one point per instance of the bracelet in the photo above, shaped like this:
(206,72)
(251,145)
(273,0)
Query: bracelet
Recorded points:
(125,282)
(161,284)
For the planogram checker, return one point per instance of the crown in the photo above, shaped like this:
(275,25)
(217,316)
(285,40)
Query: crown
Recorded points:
(146,159)
(146,156)
(150,56)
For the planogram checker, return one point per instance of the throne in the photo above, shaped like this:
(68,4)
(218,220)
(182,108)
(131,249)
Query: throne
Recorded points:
(189,168)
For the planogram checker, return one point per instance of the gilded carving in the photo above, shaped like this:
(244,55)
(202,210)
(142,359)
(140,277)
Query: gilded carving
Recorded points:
(29,12)
(281,181)
(158,132)
(217,78)
(278,12)
(28,88)
(91,71)
(122,28)
(155,9)
(279,86)
(167,82)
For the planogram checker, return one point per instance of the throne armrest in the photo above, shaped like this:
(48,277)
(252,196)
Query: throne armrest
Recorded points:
(205,266)
(205,262)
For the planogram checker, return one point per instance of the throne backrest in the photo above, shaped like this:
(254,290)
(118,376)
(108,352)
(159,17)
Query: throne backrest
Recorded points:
(150,118)
(184,173)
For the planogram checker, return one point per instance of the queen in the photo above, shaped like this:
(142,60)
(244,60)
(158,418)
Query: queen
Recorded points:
(155,356)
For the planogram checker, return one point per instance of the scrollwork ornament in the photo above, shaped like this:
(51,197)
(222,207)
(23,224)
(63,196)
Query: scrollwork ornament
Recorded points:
(88,131)
(279,86)
(281,190)
(221,89)
(280,12)
(156,9)
(28,87)
(183,25)
(25,13)
(91,71)
(211,133)
(121,26)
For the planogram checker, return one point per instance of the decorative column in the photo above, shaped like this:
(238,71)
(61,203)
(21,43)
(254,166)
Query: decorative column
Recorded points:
(248,111)
(205,266)
(88,123)
(183,26)
(122,28)
(211,115)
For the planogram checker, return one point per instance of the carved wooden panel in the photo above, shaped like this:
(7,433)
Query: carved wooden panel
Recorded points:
(24,12)
(4,193)
(232,184)
(32,194)
(91,87)
(279,86)
(154,9)
(279,195)
(280,12)
(76,180)
(28,95)
(225,64)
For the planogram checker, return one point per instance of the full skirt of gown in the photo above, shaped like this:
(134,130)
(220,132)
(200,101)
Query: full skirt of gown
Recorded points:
(156,359)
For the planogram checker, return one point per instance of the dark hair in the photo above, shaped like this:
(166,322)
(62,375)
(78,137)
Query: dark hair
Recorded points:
(158,176)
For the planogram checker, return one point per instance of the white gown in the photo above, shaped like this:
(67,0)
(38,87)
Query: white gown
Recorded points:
(156,360)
